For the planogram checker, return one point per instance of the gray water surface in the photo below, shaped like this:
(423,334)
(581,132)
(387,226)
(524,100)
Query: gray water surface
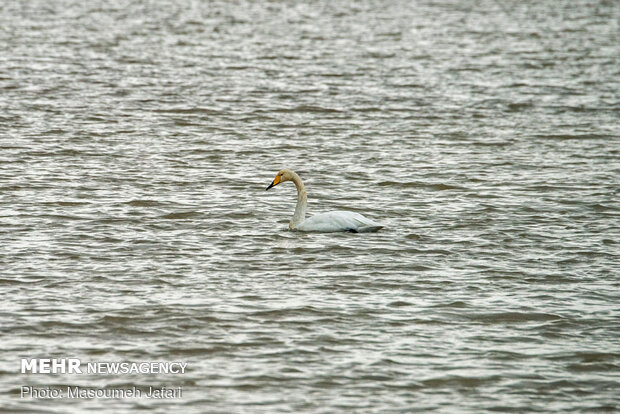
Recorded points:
(136,142)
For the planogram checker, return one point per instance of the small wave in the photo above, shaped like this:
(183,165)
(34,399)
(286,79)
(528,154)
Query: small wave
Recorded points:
(143,203)
(65,203)
(458,381)
(180,216)
(456,304)
(307,109)
(399,304)
(414,184)
(573,136)
(518,106)
(4,281)
(502,317)
(205,111)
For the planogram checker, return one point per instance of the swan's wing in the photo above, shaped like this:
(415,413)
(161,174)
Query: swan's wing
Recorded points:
(339,221)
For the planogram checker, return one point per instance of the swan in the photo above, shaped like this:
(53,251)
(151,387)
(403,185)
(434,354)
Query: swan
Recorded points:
(324,222)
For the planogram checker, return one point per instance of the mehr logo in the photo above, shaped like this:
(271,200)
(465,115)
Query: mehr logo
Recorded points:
(72,366)
(51,366)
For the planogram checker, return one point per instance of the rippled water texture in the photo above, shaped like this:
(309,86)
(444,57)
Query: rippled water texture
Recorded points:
(137,139)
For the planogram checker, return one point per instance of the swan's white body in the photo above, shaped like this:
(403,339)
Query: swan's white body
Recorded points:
(324,222)
(338,221)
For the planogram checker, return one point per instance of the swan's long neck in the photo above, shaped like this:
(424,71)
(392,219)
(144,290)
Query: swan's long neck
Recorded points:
(302,201)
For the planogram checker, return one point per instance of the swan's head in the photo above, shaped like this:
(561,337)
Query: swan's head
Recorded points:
(282,176)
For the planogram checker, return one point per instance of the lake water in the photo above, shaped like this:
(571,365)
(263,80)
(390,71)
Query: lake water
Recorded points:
(136,142)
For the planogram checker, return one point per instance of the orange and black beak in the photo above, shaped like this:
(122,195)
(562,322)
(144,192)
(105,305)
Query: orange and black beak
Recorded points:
(275,182)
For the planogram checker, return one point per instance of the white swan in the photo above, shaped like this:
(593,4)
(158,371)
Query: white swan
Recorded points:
(324,222)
